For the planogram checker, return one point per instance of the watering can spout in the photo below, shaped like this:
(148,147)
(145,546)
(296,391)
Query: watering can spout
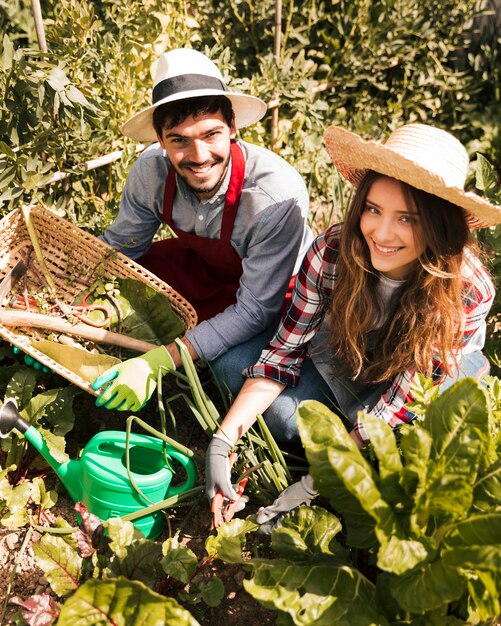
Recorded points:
(68,472)
(10,419)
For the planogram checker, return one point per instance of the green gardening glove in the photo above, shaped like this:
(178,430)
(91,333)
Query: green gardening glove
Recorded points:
(133,381)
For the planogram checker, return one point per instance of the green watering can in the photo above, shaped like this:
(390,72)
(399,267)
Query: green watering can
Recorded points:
(100,479)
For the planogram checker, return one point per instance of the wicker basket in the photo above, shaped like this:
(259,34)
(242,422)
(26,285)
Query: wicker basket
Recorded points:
(72,256)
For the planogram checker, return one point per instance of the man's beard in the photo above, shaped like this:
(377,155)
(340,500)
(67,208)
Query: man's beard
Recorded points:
(202,188)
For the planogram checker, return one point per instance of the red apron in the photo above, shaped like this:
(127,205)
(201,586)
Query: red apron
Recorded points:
(206,272)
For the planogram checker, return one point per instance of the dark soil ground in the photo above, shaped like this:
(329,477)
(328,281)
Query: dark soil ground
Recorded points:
(22,577)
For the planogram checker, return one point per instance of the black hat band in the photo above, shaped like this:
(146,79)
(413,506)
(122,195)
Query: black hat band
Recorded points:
(185,82)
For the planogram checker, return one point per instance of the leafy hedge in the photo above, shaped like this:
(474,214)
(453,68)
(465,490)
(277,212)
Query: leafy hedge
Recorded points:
(383,63)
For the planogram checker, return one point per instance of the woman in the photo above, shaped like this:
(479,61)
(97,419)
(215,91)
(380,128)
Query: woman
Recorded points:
(394,290)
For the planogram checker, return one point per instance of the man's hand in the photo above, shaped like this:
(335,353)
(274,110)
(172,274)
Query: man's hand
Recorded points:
(217,469)
(132,382)
(297,494)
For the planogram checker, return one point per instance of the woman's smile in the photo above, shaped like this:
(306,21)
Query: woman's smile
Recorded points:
(391,229)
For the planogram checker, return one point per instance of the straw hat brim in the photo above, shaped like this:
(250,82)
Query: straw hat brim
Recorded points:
(353,156)
(247,109)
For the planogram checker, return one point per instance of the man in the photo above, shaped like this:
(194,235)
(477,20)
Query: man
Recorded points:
(238,211)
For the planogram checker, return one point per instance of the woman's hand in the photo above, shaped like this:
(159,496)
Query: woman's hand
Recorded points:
(297,494)
(217,469)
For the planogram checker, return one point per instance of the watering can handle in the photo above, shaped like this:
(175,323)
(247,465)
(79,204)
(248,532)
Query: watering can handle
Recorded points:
(191,472)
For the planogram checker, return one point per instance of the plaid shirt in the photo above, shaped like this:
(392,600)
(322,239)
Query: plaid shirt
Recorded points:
(283,357)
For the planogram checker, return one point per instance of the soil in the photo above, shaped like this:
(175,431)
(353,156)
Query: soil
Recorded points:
(22,577)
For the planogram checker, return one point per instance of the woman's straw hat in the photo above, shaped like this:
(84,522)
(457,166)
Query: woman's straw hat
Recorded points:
(185,73)
(423,156)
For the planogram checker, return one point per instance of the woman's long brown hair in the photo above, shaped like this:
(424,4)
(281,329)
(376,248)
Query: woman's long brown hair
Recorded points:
(426,314)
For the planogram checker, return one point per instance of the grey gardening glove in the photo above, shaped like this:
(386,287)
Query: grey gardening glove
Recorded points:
(270,517)
(217,469)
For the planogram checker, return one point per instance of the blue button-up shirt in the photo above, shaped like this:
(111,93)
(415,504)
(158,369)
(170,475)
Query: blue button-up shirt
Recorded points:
(270,235)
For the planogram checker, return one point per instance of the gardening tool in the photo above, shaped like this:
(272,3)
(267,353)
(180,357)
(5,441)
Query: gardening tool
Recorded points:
(11,278)
(100,478)
(80,311)
(223,509)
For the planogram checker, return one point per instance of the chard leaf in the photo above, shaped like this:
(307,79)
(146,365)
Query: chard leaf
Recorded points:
(16,501)
(427,588)
(87,527)
(21,386)
(122,534)
(481,529)
(57,405)
(79,361)
(314,594)
(139,562)
(55,444)
(54,407)
(483,558)
(484,601)
(308,531)
(145,313)
(60,562)
(384,444)
(487,489)
(322,430)
(415,444)
(401,555)
(179,562)
(38,610)
(457,425)
(229,542)
(212,592)
(122,602)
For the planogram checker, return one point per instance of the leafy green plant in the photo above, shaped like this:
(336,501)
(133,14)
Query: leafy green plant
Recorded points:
(51,412)
(259,455)
(119,573)
(487,182)
(419,541)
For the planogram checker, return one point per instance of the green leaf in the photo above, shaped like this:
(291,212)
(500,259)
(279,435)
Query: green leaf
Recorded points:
(57,79)
(480,529)
(487,489)
(16,499)
(21,386)
(307,531)
(122,534)
(318,594)
(428,588)
(145,313)
(7,175)
(76,96)
(123,603)
(61,563)
(57,409)
(486,178)
(178,562)
(40,495)
(323,432)
(55,443)
(8,151)
(7,53)
(484,602)
(384,444)
(212,592)
(139,562)
(229,541)
(78,360)
(401,555)
(457,424)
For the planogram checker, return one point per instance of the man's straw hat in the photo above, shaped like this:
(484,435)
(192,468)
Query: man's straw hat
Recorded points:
(423,156)
(185,73)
